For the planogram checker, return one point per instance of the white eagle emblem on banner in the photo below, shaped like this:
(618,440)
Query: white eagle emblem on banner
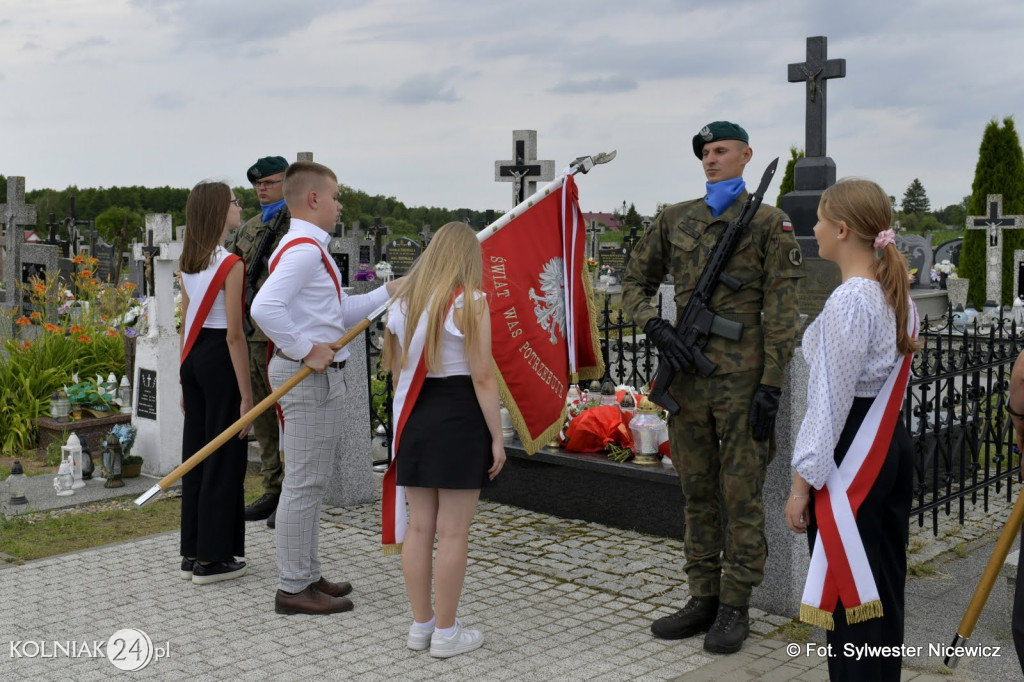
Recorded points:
(549,306)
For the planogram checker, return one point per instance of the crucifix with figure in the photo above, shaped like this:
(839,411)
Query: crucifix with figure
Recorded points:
(377,234)
(524,170)
(994,223)
(815,72)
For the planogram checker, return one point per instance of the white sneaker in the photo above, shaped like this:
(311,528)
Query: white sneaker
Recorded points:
(419,638)
(461,641)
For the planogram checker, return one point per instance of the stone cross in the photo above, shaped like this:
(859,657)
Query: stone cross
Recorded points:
(16,216)
(426,234)
(524,170)
(815,72)
(994,223)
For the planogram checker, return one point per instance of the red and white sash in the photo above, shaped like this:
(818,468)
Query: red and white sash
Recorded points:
(393,517)
(839,566)
(284,246)
(210,282)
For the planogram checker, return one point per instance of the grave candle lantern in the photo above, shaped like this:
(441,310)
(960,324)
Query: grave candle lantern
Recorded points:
(73,451)
(16,486)
(646,427)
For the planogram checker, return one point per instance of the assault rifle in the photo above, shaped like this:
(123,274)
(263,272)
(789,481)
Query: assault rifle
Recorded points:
(698,322)
(259,261)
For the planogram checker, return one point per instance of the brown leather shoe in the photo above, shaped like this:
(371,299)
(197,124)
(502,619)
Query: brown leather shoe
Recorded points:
(334,589)
(309,601)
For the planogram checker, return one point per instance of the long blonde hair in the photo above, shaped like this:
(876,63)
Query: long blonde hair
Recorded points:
(450,264)
(866,210)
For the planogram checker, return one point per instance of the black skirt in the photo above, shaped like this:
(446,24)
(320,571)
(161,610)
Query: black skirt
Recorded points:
(445,442)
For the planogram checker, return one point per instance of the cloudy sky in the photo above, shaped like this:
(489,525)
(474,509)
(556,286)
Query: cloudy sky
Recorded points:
(417,99)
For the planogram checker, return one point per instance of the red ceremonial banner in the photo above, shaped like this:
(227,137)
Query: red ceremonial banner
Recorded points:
(529,265)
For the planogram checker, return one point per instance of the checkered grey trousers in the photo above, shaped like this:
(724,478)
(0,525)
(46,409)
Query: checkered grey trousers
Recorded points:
(312,433)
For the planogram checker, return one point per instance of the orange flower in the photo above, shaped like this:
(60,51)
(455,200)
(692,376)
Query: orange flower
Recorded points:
(53,328)
(112,332)
(23,321)
(84,338)
(129,286)
(78,260)
(25,345)
(38,287)
(76,329)
(36,315)
(86,273)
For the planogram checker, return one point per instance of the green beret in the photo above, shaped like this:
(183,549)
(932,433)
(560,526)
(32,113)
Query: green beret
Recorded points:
(717,130)
(268,165)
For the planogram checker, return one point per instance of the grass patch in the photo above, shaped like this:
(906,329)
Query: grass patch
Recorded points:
(917,570)
(58,531)
(794,631)
(960,550)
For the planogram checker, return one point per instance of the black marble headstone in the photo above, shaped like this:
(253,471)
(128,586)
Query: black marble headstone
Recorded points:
(402,253)
(146,404)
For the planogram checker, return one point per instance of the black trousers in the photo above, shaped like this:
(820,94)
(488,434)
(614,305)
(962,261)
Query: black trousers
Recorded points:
(884,524)
(212,494)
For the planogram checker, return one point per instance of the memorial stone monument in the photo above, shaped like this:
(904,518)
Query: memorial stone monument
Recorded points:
(994,223)
(813,174)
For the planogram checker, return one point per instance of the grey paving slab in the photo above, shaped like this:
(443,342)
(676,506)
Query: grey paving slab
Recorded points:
(557,599)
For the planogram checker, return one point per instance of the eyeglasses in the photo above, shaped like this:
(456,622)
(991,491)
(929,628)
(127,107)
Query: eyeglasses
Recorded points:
(236,202)
(265,184)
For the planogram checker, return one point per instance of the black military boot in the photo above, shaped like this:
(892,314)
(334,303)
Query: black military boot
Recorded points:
(697,616)
(730,629)
(262,508)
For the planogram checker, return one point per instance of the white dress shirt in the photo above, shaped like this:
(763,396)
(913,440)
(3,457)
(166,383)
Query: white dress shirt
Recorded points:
(850,350)
(298,307)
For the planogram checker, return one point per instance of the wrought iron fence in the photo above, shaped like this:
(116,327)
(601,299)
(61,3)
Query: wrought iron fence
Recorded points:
(381,397)
(955,411)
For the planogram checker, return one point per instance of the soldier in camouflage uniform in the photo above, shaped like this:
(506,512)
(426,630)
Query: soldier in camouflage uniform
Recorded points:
(720,440)
(266,175)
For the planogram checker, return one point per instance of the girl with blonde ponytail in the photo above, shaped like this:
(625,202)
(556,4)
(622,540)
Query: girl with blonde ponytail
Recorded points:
(853,458)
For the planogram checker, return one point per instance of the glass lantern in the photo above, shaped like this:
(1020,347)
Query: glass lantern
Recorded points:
(608,394)
(112,461)
(16,486)
(124,395)
(60,407)
(647,428)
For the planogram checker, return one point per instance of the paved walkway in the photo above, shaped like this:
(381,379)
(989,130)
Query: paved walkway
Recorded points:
(556,599)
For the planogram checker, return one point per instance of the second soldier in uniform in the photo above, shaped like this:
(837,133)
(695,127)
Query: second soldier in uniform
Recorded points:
(266,176)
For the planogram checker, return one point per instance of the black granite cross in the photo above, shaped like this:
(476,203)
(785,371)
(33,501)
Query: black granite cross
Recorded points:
(815,72)
(377,234)
(593,230)
(524,170)
(994,220)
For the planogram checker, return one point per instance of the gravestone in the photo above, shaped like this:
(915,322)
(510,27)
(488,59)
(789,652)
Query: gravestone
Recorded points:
(813,174)
(425,235)
(338,251)
(918,250)
(1018,273)
(39,260)
(524,170)
(157,388)
(105,263)
(629,241)
(612,256)
(16,216)
(994,223)
(949,251)
(376,233)
(401,254)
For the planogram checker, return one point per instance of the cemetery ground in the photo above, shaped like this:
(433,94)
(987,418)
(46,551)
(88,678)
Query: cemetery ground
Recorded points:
(557,598)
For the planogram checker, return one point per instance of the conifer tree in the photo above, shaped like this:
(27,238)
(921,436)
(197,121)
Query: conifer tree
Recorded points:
(788,178)
(915,199)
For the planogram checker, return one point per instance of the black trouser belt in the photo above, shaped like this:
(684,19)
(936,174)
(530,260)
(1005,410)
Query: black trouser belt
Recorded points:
(335,365)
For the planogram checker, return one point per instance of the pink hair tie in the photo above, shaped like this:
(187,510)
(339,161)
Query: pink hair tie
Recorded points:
(884,238)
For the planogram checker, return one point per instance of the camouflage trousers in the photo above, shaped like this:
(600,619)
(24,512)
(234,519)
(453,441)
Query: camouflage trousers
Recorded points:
(721,469)
(265,428)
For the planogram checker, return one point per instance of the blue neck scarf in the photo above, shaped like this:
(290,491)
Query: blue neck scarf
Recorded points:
(270,210)
(721,194)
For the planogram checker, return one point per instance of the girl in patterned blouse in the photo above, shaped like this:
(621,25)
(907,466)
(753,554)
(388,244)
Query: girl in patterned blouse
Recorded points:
(867,328)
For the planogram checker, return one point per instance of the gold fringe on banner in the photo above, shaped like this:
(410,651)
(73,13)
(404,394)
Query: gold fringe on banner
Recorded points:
(816,616)
(390,550)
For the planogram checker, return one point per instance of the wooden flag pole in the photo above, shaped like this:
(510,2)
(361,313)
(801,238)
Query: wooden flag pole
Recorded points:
(988,578)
